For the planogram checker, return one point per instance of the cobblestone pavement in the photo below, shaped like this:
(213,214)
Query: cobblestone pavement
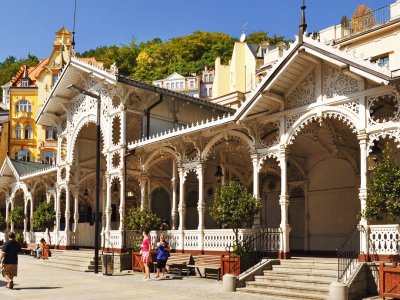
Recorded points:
(38,281)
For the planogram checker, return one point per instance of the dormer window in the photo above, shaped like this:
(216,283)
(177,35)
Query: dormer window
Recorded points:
(25,82)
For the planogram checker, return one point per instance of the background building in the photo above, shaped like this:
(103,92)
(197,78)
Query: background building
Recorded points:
(189,85)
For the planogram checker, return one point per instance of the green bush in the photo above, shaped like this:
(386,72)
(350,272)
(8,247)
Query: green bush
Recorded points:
(235,208)
(140,219)
(16,216)
(19,237)
(383,201)
(44,218)
(2,223)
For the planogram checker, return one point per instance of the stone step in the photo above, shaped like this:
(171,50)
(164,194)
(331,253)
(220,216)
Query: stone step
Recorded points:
(300,274)
(74,258)
(289,262)
(312,281)
(327,268)
(285,287)
(282,294)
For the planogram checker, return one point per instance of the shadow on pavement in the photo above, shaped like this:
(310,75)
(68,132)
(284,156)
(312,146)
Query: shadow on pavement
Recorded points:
(36,288)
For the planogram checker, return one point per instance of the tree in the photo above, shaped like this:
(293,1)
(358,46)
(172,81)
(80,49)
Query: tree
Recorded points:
(235,208)
(344,22)
(2,223)
(11,65)
(362,19)
(44,218)
(141,219)
(258,37)
(383,201)
(16,216)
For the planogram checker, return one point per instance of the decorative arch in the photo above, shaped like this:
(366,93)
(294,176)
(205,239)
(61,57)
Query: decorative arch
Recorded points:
(246,138)
(341,113)
(85,120)
(152,157)
(391,134)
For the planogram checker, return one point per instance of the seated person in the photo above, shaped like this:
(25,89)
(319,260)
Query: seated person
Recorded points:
(39,251)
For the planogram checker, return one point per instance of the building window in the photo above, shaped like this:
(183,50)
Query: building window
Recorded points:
(181,85)
(382,61)
(54,79)
(192,83)
(28,132)
(18,132)
(172,86)
(23,105)
(205,92)
(23,155)
(25,83)
(206,78)
(211,77)
(210,92)
(168,85)
(51,133)
(49,157)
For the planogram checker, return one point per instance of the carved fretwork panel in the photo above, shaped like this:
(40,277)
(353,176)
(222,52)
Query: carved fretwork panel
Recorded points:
(384,108)
(269,134)
(304,93)
(336,83)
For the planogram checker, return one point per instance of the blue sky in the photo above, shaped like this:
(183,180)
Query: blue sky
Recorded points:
(28,26)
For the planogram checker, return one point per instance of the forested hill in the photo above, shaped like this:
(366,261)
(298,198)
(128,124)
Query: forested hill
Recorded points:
(155,59)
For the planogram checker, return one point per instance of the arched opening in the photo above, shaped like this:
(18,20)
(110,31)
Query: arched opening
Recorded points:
(161,204)
(324,202)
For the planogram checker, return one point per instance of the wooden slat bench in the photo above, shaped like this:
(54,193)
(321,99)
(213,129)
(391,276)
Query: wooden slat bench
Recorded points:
(179,261)
(29,249)
(211,262)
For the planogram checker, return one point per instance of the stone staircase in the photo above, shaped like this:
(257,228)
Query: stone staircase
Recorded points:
(296,278)
(75,260)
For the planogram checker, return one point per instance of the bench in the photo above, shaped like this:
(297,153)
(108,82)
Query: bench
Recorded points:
(211,262)
(179,261)
(29,249)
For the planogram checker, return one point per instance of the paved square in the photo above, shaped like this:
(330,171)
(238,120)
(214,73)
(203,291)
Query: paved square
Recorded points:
(38,281)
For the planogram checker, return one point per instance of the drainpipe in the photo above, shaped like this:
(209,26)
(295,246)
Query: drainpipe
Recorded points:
(148,110)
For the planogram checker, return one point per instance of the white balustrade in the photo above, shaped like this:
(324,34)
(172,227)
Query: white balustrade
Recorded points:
(191,240)
(2,236)
(115,241)
(220,239)
(384,239)
(62,239)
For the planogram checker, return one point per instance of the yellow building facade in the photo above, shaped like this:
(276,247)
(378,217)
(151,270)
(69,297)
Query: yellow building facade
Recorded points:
(29,89)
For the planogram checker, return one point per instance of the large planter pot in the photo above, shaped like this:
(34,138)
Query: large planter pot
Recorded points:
(137,264)
(389,278)
(230,265)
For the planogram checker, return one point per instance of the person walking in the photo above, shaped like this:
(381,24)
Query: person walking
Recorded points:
(9,256)
(162,256)
(146,254)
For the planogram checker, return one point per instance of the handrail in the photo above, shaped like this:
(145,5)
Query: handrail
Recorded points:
(347,254)
(367,20)
(251,252)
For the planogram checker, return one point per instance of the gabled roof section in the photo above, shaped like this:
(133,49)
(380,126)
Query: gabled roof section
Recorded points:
(8,173)
(24,168)
(296,59)
(174,75)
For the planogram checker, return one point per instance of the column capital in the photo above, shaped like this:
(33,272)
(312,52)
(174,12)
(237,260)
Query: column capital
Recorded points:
(284,200)
(362,136)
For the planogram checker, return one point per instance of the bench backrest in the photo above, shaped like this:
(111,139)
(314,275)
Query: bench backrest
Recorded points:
(31,246)
(208,259)
(179,258)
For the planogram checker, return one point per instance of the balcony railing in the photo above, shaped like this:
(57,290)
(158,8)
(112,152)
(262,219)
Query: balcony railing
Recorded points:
(366,21)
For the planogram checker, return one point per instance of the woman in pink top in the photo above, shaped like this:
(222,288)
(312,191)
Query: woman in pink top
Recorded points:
(146,255)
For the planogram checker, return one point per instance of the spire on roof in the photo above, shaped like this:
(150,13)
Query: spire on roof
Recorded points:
(303,24)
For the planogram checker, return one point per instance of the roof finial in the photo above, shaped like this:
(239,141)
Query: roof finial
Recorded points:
(73,32)
(303,24)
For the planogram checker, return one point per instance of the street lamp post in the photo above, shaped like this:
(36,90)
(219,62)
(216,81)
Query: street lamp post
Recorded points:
(97,201)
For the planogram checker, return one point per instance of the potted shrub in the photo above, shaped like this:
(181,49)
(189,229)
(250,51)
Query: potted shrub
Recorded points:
(44,218)
(20,239)
(16,216)
(137,220)
(235,208)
